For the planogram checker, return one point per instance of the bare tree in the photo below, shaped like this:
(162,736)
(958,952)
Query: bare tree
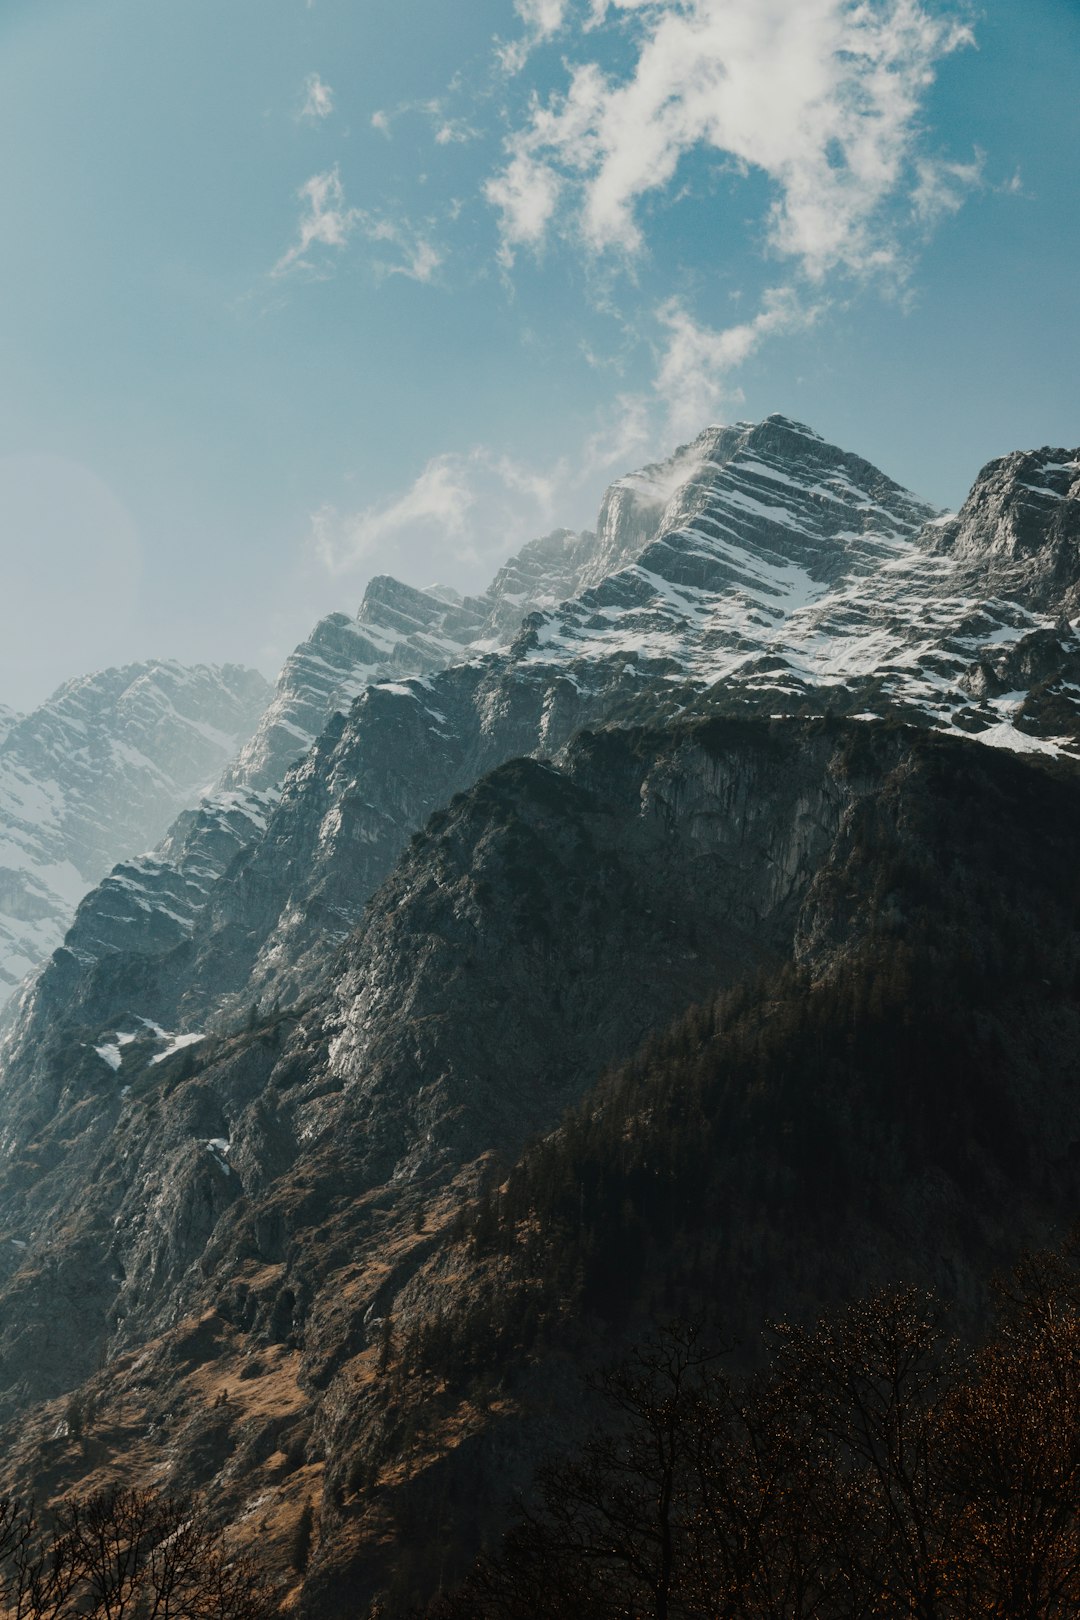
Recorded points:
(872,1472)
(124,1555)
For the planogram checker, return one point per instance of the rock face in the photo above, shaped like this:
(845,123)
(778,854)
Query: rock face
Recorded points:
(516,835)
(99,770)
(1018,529)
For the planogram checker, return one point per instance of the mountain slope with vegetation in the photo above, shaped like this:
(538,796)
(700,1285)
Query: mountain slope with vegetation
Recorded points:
(356,1284)
(711,950)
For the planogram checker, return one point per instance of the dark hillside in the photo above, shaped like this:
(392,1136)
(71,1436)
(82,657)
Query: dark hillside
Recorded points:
(730,1018)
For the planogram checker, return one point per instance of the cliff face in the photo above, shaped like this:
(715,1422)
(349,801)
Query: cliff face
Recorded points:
(537,883)
(1018,528)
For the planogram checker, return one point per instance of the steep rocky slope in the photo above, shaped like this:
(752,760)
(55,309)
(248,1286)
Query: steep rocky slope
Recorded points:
(99,771)
(246,1214)
(402,631)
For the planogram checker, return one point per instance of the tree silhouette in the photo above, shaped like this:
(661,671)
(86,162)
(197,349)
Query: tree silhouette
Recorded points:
(123,1555)
(872,1471)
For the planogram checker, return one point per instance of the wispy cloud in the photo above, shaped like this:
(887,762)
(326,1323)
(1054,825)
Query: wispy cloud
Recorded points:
(526,193)
(435,509)
(453,132)
(543,19)
(943,187)
(470,510)
(318,100)
(419,259)
(822,96)
(693,377)
(447,129)
(327,224)
(466,509)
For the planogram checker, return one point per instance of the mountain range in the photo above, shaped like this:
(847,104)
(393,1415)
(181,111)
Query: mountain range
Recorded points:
(691,916)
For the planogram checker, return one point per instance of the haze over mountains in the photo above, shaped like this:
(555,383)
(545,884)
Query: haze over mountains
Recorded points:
(98,771)
(473,853)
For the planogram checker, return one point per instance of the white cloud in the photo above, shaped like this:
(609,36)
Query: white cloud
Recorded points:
(526,194)
(453,132)
(318,99)
(448,130)
(693,376)
(325,222)
(470,509)
(419,259)
(625,436)
(433,510)
(943,187)
(822,96)
(543,19)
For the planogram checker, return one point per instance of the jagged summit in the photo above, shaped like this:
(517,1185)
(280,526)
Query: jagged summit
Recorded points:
(804,507)
(755,522)
(792,574)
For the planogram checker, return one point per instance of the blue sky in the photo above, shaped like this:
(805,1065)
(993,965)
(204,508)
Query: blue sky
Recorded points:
(298,291)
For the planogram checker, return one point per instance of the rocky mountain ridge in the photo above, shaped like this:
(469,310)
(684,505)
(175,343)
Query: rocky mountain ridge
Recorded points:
(398,630)
(402,631)
(760,571)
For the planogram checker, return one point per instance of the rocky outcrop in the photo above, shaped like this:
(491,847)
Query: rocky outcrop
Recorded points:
(1019,529)
(538,928)
(402,631)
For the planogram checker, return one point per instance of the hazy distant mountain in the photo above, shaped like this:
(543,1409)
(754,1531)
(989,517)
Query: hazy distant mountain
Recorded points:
(99,770)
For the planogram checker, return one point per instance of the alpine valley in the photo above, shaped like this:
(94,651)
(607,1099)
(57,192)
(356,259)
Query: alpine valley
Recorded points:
(689,923)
